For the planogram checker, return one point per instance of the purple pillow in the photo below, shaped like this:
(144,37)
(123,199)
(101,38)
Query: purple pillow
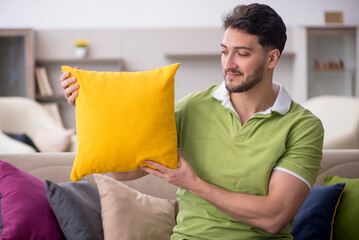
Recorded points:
(25,211)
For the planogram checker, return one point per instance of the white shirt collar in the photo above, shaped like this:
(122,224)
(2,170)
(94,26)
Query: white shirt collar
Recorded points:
(281,104)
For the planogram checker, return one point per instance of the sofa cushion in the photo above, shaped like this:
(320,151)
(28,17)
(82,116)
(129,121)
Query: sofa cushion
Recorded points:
(133,215)
(53,140)
(347,218)
(316,216)
(123,119)
(25,210)
(77,208)
(24,139)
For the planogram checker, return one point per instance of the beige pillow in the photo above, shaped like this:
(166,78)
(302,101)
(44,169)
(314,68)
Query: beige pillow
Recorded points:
(53,140)
(129,214)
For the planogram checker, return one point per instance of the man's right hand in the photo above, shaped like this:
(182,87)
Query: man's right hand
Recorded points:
(70,92)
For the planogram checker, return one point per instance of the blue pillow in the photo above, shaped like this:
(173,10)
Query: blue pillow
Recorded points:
(23,138)
(315,218)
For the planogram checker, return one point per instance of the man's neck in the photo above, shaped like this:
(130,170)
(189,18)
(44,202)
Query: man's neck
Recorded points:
(257,99)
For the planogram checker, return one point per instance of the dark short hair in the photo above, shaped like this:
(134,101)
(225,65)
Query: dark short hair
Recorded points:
(260,20)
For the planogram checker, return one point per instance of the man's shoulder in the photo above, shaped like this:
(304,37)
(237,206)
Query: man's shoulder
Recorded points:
(198,96)
(296,108)
(204,93)
(302,116)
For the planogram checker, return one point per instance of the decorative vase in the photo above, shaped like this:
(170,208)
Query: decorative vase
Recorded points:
(80,52)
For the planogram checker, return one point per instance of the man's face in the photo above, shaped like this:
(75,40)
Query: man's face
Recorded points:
(242,59)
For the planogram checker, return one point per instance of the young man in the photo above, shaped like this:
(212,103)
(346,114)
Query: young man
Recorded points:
(248,153)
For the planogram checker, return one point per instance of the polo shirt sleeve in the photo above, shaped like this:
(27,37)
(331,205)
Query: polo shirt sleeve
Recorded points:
(304,151)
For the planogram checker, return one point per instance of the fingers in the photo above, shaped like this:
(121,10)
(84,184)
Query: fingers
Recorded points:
(153,171)
(158,166)
(68,90)
(64,76)
(159,171)
(70,87)
(66,82)
(72,98)
(181,160)
(71,93)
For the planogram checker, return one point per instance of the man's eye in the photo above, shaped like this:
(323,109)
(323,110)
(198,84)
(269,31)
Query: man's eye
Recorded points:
(224,52)
(243,54)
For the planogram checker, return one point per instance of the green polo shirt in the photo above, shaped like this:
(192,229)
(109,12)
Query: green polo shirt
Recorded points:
(240,158)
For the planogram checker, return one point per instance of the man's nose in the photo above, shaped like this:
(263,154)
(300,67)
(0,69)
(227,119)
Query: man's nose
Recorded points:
(229,62)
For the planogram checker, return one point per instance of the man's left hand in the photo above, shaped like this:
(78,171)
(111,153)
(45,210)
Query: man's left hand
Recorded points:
(183,176)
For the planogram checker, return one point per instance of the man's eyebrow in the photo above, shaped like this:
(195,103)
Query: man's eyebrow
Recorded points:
(239,47)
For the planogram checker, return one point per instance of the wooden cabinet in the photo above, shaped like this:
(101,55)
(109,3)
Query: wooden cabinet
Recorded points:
(17,62)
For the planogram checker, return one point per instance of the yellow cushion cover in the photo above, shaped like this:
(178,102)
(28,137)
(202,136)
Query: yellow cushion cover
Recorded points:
(123,119)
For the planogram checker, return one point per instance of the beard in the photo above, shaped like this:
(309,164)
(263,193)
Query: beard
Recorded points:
(249,82)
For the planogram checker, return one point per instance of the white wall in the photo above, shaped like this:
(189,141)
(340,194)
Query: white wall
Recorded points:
(65,14)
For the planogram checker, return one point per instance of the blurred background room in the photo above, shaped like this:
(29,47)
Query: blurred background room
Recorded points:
(319,65)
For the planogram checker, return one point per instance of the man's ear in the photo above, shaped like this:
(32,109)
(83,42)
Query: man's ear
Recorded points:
(273,57)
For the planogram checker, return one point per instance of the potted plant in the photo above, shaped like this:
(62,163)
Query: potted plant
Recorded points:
(81,46)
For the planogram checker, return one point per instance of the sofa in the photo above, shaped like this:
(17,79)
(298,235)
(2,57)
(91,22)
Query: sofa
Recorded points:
(340,118)
(56,168)
(26,126)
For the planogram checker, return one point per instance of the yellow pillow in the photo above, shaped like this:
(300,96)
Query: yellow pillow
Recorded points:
(123,119)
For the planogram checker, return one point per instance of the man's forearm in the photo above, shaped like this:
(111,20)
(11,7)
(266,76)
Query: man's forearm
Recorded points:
(257,211)
(270,213)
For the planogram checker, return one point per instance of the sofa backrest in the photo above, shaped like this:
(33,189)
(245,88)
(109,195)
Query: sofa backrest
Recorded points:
(340,118)
(343,163)
(24,115)
(57,168)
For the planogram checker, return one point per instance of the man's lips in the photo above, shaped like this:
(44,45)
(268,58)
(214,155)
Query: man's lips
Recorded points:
(233,74)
